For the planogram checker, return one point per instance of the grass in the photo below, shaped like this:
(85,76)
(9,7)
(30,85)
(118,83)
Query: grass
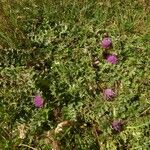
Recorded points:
(48,47)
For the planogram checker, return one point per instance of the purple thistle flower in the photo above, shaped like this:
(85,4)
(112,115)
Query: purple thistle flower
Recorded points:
(38,101)
(109,93)
(117,125)
(106,43)
(112,59)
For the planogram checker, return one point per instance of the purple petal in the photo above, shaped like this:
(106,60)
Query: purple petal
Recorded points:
(117,125)
(109,93)
(106,42)
(112,59)
(38,101)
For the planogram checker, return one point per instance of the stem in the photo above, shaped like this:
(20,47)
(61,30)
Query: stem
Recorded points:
(24,145)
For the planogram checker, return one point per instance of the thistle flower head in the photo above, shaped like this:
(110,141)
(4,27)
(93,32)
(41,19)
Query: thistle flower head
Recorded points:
(106,43)
(117,125)
(109,93)
(112,59)
(38,101)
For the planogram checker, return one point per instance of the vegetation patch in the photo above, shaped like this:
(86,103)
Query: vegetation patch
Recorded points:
(74,75)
